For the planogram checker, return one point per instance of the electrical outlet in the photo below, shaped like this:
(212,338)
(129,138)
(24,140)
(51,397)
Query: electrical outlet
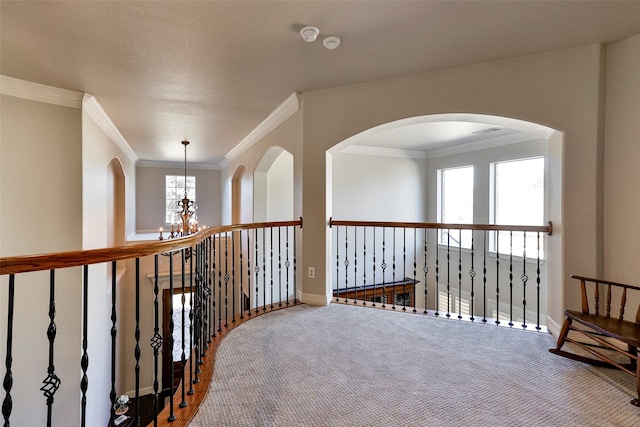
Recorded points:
(312,272)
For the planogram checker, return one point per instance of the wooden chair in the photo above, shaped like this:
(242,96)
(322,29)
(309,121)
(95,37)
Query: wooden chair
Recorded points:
(602,331)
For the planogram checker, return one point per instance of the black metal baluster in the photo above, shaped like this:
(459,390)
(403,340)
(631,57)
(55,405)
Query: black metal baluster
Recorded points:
(233,277)
(524,279)
(264,270)
(214,265)
(249,289)
(538,286)
(484,276)
(156,343)
(364,266)
(7,384)
(193,317)
(137,347)
(472,274)
(256,269)
(226,279)
(404,268)
(114,333)
(383,267)
(271,264)
(355,264)
(183,403)
(241,292)
(295,266)
(393,270)
(280,266)
(497,277)
(172,415)
(510,278)
(210,290)
(448,272)
(459,273)
(437,296)
(346,264)
(337,263)
(220,283)
(425,269)
(287,264)
(415,266)
(374,267)
(84,362)
(51,382)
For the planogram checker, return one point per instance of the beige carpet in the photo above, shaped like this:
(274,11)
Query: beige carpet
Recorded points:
(351,366)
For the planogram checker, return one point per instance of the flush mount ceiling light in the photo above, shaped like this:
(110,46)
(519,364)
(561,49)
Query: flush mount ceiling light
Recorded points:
(331,42)
(309,33)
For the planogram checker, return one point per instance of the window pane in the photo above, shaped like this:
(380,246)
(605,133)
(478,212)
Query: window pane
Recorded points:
(519,200)
(174,192)
(456,204)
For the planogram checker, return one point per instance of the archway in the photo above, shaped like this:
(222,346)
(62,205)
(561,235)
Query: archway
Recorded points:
(115,204)
(389,173)
(239,213)
(273,186)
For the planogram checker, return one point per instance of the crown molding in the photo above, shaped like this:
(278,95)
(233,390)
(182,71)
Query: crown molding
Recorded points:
(38,92)
(91,105)
(273,120)
(384,152)
(485,144)
(177,165)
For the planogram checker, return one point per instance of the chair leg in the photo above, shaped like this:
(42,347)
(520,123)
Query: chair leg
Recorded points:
(636,402)
(563,333)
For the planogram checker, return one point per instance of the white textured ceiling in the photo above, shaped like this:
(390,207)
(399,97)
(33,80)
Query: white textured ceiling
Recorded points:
(211,71)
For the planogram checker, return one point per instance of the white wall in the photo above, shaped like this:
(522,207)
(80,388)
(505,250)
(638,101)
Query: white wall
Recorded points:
(374,188)
(280,189)
(150,196)
(41,212)
(622,155)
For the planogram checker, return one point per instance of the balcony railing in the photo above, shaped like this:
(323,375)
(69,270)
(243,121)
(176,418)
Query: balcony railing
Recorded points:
(479,272)
(221,276)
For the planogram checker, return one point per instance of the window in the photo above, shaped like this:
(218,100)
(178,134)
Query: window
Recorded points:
(518,199)
(455,204)
(174,192)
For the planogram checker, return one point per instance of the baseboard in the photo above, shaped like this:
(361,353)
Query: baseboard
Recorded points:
(312,299)
(553,327)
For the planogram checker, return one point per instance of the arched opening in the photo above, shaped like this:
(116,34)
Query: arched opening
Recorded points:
(392,172)
(115,204)
(236,194)
(273,186)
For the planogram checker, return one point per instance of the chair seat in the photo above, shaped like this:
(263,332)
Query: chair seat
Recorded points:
(623,330)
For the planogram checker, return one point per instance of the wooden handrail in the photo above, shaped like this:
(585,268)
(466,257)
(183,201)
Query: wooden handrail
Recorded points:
(437,225)
(51,261)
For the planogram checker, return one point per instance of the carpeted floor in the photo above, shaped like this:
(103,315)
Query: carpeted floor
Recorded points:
(351,366)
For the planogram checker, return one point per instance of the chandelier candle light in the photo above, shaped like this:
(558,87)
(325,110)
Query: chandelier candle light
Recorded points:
(186,209)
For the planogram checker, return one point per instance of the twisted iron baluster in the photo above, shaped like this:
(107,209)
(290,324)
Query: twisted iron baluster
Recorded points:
(51,382)
(271,264)
(226,279)
(355,265)
(156,343)
(295,266)
(393,270)
(524,279)
(425,270)
(484,276)
(472,274)
(84,362)
(114,333)
(448,272)
(264,270)
(437,295)
(374,266)
(287,264)
(249,290)
(172,415)
(233,277)
(459,273)
(7,403)
(383,266)
(346,264)
(183,403)
(280,266)
(497,277)
(337,263)
(510,278)
(256,269)
(538,286)
(364,266)
(415,266)
(241,293)
(404,268)
(137,347)
(193,317)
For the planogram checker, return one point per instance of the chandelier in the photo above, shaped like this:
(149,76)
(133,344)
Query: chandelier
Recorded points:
(186,209)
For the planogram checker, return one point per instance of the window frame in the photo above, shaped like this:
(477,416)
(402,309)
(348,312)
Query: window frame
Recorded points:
(442,233)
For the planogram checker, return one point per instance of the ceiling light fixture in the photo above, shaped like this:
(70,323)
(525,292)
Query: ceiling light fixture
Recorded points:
(309,33)
(331,42)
